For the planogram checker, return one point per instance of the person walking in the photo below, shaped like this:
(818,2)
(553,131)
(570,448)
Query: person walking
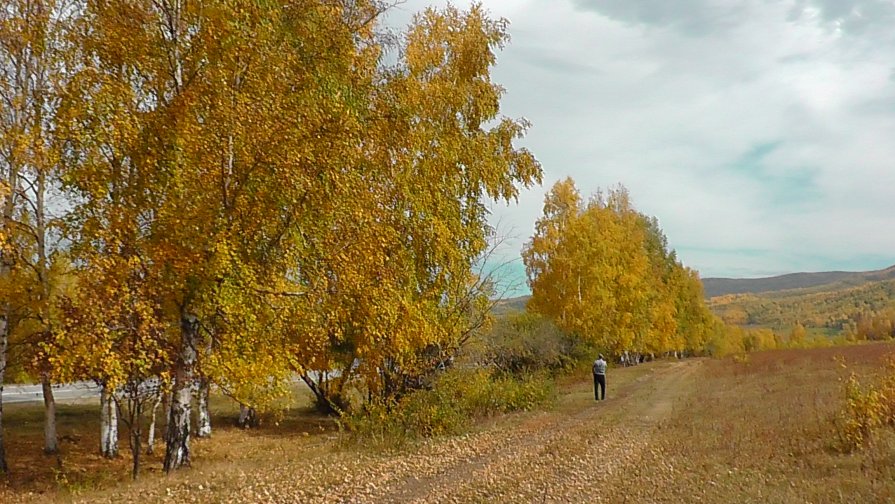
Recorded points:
(600,379)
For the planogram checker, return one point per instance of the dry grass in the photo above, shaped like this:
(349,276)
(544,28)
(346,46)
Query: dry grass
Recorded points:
(78,463)
(753,430)
(79,469)
(763,430)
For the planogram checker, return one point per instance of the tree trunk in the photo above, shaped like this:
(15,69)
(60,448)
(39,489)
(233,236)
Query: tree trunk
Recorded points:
(4,468)
(51,445)
(204,428)
(248,417)
(328,400)
(177,436)
(243,415)
(9,206)
(166,408)
(136,434)
(108,424)
(150,442)
(135,451)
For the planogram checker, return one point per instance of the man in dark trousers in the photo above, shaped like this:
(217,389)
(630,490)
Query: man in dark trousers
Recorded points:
(600,378)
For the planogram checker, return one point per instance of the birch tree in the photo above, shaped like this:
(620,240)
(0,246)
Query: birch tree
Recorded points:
(604,272)
(34,62)
(390,274)
(200,134)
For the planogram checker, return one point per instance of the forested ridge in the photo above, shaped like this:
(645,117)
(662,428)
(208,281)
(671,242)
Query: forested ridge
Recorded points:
(866,311)
(828,280)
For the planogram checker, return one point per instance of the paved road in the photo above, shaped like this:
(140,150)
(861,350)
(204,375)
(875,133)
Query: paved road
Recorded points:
(13,394)
(68,392)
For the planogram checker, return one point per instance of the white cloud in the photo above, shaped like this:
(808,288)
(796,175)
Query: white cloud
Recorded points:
(757,131)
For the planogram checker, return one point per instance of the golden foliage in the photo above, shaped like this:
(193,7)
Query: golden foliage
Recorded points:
(603,271)
(867,408)
(258,168)
(251,190)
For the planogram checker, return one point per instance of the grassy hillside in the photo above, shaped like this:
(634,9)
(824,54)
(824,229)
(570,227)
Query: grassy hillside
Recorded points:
(830,280)
(835,307)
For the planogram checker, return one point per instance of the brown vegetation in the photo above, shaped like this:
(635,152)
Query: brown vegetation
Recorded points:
(760,428)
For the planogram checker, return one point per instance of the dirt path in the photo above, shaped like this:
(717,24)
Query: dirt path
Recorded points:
(557,457)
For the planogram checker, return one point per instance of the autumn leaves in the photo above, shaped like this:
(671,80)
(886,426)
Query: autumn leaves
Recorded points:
(604,272)
(250,190)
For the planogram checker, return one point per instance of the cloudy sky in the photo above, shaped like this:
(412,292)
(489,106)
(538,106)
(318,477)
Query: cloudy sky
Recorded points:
(761,133)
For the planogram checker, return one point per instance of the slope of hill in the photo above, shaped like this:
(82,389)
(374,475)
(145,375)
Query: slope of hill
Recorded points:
(829,280)
(835,307)
(510,305)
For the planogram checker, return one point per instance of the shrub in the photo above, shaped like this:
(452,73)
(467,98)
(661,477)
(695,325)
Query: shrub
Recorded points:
(521,344)
(866,409)
(862,413)
(457,398)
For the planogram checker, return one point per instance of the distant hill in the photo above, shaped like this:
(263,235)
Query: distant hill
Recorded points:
(824,281)
(832,301)
(832,307)
(511,305)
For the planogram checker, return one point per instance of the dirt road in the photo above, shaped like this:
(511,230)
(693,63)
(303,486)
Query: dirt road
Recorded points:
(583,451)
(760,428)
(576,454)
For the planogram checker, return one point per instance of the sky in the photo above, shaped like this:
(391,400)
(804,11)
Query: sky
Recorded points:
(761,133)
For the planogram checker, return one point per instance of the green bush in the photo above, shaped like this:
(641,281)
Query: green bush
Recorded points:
(521,344)
(458,397)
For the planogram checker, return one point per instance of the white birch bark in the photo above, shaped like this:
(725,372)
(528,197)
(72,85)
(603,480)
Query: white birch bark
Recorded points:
(204,419)
(4,468)
(108,424)
(177,436)
(150,441)
(243,415)
(248,417)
